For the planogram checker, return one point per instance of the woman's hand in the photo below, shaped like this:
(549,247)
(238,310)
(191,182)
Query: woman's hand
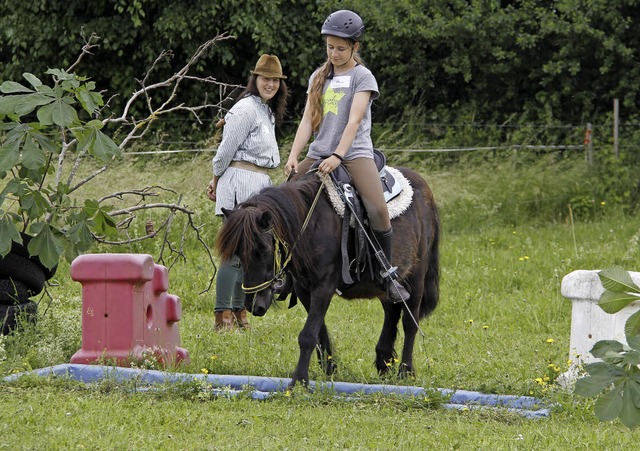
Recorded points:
(211,189)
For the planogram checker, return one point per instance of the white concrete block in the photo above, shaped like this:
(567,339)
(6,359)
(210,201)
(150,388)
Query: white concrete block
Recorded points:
(589,323)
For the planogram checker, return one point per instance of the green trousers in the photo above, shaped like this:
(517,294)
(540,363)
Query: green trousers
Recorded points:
(229,294)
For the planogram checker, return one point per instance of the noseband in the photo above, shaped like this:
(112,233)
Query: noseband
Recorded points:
(280,252)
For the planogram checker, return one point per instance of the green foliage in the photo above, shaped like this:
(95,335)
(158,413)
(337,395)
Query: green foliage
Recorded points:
(133,34)
(615,380)
(490,60)
(34,199)
(495,59)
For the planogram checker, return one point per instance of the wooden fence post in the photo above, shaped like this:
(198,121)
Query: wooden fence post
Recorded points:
(616,114)
(588,142)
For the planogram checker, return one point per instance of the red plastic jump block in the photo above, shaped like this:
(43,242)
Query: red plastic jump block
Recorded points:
(127,314)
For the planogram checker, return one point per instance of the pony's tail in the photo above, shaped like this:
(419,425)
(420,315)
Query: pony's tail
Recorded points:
(431,293)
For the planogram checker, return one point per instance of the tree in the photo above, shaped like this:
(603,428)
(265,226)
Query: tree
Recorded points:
(493,61)
(47,125)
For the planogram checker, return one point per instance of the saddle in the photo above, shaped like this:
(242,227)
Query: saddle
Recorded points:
(356,257)
(398,194)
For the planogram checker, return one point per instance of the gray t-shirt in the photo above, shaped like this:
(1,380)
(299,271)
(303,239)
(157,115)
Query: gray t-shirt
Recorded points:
(337,98)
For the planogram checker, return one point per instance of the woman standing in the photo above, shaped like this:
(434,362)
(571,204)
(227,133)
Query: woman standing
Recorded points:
(247,150)
(338,115)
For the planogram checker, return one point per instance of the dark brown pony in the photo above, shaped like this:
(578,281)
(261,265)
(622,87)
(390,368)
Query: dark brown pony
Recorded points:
(270,226)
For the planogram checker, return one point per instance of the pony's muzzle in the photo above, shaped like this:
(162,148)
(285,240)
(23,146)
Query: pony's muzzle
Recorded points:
(259,303)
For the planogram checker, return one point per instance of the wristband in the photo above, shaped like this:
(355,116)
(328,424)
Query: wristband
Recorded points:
(337,156)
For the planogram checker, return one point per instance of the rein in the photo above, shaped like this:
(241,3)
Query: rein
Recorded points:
(280,248)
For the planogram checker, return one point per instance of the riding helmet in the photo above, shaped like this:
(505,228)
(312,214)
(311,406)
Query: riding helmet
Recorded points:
(344,24)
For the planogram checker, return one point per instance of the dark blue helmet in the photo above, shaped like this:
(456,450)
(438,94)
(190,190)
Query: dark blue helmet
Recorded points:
(344,24)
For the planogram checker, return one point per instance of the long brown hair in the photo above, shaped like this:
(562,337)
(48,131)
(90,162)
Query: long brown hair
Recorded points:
(317,85)
(278,103)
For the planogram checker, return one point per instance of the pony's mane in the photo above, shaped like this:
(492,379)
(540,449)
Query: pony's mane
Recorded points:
(287,205)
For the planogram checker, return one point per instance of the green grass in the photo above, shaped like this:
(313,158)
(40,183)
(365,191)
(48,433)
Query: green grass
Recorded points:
(501,324)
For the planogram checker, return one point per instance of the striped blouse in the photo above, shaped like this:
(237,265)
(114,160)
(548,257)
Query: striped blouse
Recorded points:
(248,135)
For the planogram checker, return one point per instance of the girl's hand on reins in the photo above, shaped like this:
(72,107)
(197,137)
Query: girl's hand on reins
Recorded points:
(291,167)
(329,164)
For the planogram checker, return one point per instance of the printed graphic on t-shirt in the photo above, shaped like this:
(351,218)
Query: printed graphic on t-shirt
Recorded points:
(330,100)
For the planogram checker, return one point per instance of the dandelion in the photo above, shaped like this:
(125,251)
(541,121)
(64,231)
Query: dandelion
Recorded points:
(603,203)
(287,393)
(204,370)
(550,340)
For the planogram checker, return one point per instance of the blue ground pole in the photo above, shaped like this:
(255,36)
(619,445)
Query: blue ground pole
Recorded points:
(261,387)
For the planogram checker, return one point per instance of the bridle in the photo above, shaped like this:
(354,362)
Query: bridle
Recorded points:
(281,253)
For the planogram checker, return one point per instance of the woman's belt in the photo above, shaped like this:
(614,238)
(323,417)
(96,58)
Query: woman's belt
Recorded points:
(248,166)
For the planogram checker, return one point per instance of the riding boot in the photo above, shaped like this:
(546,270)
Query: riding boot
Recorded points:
(396,292)
(241,318)
(224,321)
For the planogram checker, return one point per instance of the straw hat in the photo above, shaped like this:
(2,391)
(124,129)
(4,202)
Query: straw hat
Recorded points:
(268,66)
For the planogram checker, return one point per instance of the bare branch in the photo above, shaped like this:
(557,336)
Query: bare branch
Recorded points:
(174,80)
(89,44)
(87,179)
(143,193)
(129,210)
(61,157)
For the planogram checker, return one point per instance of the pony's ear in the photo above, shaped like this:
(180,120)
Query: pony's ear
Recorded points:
(265,220)
(226,212)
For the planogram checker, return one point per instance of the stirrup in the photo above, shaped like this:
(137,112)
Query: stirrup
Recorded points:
(390,273)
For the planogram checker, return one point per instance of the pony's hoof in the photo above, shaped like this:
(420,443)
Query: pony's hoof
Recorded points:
(294,382)
(330,368)
(405,371)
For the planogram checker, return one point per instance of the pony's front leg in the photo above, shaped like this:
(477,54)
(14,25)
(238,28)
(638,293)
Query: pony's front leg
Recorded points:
(309,335)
